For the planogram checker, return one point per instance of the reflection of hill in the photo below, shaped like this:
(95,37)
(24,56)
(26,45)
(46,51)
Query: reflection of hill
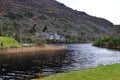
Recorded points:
(37,62)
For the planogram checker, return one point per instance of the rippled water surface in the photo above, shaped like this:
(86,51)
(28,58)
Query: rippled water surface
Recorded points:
(77,56)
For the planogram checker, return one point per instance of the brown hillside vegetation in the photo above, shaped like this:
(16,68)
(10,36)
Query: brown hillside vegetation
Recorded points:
(21,15)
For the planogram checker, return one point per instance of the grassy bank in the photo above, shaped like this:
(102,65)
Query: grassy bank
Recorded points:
(7,42)
(9,45)
(109,72)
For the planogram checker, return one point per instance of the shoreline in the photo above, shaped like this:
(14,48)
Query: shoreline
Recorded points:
(109,47)
(32,49)
(96,73)
(112,47)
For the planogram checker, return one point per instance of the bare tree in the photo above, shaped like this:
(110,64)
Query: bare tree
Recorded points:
(1,29)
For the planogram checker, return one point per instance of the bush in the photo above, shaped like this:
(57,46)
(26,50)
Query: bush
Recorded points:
(102,41)
(108,41)
(13,15)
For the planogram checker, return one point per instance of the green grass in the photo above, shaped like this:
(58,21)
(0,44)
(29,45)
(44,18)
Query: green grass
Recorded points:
(109,72)
(6,42)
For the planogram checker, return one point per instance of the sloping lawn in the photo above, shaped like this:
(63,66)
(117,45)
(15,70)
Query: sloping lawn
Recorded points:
(6,42)
(109,72)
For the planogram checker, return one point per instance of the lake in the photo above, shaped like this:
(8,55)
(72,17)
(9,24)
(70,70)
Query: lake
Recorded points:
(75,57)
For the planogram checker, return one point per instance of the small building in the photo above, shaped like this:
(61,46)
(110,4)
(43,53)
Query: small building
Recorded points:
(54,36)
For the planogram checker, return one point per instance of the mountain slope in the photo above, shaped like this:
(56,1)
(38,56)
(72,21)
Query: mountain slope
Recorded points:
(22,15)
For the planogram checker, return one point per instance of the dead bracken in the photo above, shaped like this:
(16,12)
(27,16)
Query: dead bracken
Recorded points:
(31,49)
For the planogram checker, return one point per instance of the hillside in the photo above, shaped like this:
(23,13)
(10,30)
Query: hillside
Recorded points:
(26,20)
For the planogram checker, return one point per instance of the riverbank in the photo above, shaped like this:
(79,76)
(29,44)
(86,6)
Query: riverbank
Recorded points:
(112,42)
(109,72)
(111,47)
(9,45)
(32,49)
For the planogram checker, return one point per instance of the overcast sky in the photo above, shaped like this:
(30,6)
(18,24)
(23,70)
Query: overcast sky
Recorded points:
(109,9)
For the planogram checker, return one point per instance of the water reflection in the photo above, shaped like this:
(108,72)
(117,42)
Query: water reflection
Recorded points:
(77,56)
(33,61)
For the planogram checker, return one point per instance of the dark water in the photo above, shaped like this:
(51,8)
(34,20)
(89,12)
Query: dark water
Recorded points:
(77,56)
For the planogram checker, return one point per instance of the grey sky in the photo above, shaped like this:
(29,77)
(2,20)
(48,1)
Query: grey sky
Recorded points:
(108,9)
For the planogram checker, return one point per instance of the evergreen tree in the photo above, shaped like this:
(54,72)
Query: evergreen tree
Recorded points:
(33,30)
(45,28)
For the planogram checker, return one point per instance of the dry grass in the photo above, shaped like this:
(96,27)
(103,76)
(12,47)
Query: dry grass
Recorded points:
(31,49)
